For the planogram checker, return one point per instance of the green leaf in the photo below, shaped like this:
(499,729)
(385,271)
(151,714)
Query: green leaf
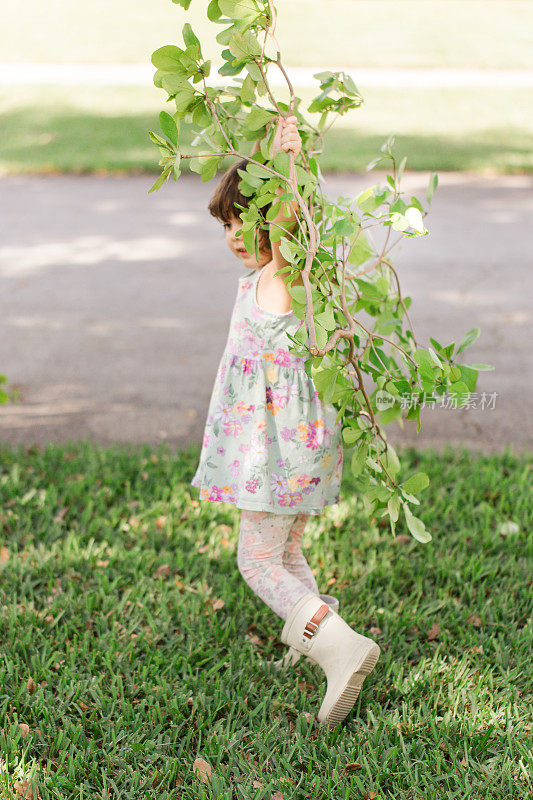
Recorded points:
(238,9)
(213,11)
(209,168)
(462,392)
(267,147)
(188,36)
(168,58)
(247,93)
(362,249)
(183,98)
(327,319)
(373,464)
(282,163)
(248,239)
(169,127)
(321,376)
(416,483)
(480,367)
(433,181)
(416,526)
(160,181)
(244,46)
(298,293)
(435,358)
(394,505)
(469,338)
(156,139)
(330,389)
(253,70)
(399,222)
(253,168)
(273,212)
(391,460)
(425,359)
(321,336)
(414,218)
(358,459)
(258,118)
(351,435)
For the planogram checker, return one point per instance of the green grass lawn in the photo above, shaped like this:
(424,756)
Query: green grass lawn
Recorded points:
(88,129)
(366,33)
(130,645)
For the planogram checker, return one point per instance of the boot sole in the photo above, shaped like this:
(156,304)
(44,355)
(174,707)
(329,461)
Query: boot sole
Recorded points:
(350,688)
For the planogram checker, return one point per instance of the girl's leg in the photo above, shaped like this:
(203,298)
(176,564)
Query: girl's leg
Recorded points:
(293,559)
(262,538)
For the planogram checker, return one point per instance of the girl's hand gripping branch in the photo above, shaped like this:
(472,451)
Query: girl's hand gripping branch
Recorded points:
(287,139)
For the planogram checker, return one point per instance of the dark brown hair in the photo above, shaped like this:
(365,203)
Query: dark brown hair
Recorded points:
(222,204)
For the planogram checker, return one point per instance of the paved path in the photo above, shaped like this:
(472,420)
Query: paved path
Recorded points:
(76,74)
(114,304)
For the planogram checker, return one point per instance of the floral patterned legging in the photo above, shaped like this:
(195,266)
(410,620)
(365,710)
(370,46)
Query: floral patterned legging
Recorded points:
(270,558)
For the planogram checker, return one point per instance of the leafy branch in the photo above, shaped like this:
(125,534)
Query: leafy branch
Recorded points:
(342,271)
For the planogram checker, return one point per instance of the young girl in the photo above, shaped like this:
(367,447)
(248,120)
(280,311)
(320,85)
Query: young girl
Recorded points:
(272,448)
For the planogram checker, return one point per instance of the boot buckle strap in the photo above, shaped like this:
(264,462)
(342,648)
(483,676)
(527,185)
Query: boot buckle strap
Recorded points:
(311,626)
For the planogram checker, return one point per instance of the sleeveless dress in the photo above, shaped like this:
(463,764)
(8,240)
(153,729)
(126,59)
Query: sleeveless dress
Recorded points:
(269,442)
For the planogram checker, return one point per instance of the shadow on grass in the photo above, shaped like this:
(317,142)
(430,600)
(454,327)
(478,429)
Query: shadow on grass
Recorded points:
(42,140)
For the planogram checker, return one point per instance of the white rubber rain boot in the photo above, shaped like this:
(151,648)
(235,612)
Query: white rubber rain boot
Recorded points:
(346,656)
(292,655)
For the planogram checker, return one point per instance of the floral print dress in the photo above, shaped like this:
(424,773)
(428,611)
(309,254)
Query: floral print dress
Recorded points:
(269,443)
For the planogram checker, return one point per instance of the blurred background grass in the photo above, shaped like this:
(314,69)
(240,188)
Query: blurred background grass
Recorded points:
(50,128)
(485,34)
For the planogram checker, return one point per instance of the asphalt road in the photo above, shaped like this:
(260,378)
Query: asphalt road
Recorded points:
(114,305)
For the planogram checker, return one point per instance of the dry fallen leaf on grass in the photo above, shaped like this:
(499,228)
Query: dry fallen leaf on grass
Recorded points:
(434,631)
(4,555)
(474,620)
(224,530)
(60,516)
(161,522)
(202,770)
(24,789)
(353,766)
(24,729)
(218,603)
(254,639)
(402,538)
(162,572)
(31,686)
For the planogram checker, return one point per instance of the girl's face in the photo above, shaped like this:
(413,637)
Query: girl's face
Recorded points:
(236,245)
